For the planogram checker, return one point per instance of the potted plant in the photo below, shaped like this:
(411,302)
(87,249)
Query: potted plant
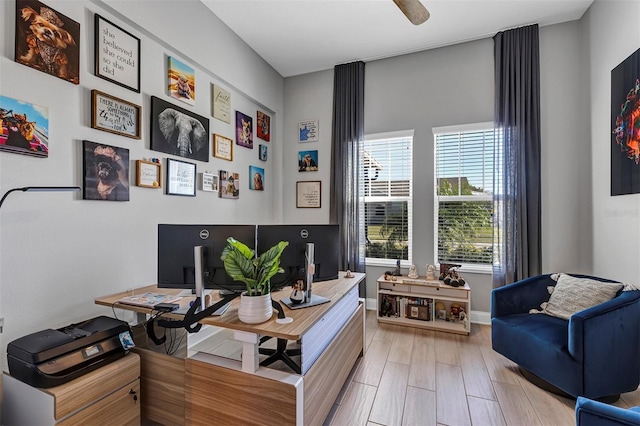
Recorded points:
(241,264)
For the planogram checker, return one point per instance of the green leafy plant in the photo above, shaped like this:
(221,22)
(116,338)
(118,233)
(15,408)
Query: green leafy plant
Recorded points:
(241,264)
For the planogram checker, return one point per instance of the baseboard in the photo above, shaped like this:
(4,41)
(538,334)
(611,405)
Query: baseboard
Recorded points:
(477,317)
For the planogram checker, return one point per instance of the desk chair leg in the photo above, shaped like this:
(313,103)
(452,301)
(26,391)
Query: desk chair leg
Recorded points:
(281,354)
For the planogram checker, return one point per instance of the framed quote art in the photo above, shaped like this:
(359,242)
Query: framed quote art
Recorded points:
(117,54)
(308,194)
(222,147)
(114,115)
(148,174)
(181,178)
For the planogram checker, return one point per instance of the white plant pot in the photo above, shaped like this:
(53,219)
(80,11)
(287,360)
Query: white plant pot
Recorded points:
(255,309)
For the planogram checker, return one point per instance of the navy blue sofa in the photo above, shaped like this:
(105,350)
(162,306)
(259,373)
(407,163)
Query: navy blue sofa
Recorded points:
(596,353)
(594,413)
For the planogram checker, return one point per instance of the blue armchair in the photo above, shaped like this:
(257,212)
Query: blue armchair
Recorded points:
(596,353)
(594,413)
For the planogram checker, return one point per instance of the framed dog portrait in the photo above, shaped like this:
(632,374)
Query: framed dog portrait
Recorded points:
(105,172)
(182,81)
(308,161)
(229,184)
(24,128)
(47,40)
(264,126)
(117,54)
(244,130)
(256,178)
(176,131)
(262,154)
(181,178)
(114,115)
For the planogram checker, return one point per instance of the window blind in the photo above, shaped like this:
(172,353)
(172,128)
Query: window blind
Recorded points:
(387,177)
(463,195)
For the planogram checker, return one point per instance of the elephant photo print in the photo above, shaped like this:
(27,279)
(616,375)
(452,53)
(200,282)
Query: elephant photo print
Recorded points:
(176,131)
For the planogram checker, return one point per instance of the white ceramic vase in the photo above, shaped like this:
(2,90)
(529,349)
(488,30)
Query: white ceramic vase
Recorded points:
(255,309)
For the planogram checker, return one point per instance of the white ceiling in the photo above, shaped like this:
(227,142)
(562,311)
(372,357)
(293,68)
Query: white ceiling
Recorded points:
(301,36)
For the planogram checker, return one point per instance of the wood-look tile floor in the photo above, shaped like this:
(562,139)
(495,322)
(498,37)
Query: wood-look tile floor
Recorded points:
(410,376)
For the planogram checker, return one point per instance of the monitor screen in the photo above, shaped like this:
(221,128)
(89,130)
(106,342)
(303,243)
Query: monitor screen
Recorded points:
(176,260)
(326,239)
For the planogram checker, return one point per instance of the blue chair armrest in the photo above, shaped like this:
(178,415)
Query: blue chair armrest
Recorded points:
(613,324)
(521,296)
(594,413)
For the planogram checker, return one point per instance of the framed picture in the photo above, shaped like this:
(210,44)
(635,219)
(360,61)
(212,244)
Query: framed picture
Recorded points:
(308,194)
(256,178)
(625,126)
(176,131)
(117,54)
(105,172)
(47,40)
(229,184)
(24,128)
(308,161)
(222,147)
(209,182)
(244,130)
(181,178)
(262,155)
(264,126)
(220,103)
(148,174)
(308,131)
(115,115)
(182,81)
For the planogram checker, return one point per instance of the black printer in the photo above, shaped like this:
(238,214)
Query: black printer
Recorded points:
(52,357)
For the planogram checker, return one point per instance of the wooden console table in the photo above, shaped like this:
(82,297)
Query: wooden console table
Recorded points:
(223,390)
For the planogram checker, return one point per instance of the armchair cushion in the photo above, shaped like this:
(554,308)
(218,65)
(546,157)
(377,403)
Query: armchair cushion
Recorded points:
(573,294)
(595,413)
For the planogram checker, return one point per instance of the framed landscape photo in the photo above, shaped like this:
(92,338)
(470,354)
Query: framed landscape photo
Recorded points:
(177,131)
(148,174)
(114,115)
(308,194)
(47,40)
(222,147)
(181,178)
(117,54)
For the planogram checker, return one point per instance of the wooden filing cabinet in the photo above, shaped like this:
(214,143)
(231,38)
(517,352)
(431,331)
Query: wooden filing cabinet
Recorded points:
(109,395)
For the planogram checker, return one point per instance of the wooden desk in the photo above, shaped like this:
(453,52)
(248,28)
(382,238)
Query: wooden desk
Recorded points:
(227,391)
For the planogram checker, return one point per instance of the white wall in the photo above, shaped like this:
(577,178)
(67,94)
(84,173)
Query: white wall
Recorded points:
(613,34)
(57,251)
(454,85)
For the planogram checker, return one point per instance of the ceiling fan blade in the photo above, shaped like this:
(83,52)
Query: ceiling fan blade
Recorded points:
(413,10)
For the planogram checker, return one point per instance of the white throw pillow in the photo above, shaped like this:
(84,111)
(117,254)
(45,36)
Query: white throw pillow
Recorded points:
(572,295)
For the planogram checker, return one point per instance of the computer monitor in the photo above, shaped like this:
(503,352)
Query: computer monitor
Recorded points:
(176,268)
(326,239)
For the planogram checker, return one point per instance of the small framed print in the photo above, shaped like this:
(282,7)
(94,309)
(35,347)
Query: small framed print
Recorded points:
(114,115)
(262,155)
(181,178)
(209,182)
(117,54)
(308,131)
(222,147)
(148,174)
(308,194)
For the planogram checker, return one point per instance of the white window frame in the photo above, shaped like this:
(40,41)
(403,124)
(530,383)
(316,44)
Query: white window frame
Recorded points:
(462,128)
(374,261)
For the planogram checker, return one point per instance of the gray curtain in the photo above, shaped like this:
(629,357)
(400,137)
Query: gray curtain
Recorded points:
(346,138)
(517,241)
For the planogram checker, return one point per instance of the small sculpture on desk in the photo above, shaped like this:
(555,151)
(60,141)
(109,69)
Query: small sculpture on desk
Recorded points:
(413,273)
(348,274)
(297,295)
(431,272)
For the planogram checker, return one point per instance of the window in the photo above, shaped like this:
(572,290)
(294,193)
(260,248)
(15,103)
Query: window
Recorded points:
(463,229)
(387,187)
